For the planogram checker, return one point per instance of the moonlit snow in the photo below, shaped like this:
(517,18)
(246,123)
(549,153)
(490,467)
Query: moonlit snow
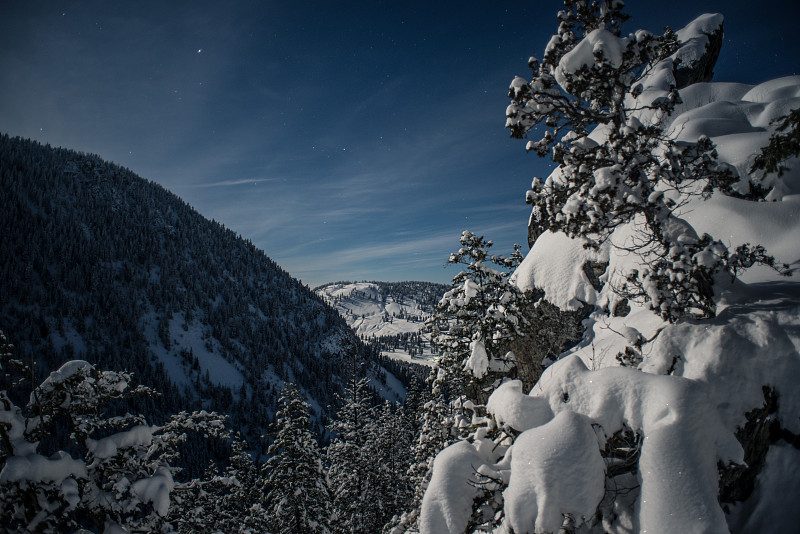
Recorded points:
(697,379)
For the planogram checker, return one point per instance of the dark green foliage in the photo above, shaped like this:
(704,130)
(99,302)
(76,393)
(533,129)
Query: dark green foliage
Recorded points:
(782,146)
(103,265)
(296,496)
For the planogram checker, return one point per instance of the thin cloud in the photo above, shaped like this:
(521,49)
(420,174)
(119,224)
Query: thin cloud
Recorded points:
(228,183)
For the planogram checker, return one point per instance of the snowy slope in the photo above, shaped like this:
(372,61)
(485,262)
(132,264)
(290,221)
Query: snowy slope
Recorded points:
(102,265)
(388,312)
(690,397)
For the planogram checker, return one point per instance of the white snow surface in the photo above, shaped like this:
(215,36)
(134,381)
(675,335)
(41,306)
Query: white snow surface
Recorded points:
(688,419)
(37,468)
(737,119)
(190,336)
(478,361)
(600,40)
(447,502)
(62,374)
(556,469)
(109,446)
(371,313)
(555,265)
(511,407)
(155,490)
(555,464)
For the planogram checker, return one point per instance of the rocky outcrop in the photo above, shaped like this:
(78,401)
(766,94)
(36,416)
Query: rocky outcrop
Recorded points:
(549,332)
(690,70)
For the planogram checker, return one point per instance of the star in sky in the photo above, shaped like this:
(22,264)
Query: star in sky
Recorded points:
(384,124)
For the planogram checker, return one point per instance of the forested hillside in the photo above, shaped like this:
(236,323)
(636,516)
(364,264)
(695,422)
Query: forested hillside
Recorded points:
(103,265)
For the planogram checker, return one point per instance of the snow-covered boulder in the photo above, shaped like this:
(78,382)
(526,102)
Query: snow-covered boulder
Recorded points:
(556,468)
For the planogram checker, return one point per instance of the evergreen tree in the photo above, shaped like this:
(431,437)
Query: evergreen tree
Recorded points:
(350,466)
(297,495)
(783,144)
(226,503)
(67,464)
(390,446)
(434,434)
(634,173)
(475,321)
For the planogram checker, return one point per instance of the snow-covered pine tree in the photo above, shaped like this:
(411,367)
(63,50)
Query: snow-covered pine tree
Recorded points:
(67,465)
(434,434)
(296,493)
(390,447)
(349,463)
(783,145)
(474,322)
(632,172)
(230,502)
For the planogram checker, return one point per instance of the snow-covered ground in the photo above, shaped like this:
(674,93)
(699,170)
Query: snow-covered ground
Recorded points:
(374,311)
(189,341)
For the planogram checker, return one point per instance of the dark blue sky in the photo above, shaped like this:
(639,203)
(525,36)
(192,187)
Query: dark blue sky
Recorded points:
(349,140)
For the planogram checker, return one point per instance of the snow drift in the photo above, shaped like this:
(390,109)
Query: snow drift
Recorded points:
(689,388)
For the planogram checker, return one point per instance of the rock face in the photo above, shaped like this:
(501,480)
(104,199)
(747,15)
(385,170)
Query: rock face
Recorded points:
(701,69)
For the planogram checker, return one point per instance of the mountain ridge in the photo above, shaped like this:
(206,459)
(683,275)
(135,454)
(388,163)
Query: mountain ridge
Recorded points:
(104,265)
(391,314)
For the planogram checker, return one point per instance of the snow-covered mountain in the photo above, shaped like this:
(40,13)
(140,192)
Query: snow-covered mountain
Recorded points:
(103,265)
(388,313)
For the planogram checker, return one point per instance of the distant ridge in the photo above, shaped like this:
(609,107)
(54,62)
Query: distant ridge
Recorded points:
(390,314)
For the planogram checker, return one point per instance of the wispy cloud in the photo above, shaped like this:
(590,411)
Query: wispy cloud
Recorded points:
(228,183)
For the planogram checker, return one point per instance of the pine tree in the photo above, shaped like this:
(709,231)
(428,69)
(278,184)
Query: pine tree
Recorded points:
(634,173)
(474,322)
(390,447)
(226,503)
(783,144)
(434,434)
(67,464)
(297,495)
(350,465)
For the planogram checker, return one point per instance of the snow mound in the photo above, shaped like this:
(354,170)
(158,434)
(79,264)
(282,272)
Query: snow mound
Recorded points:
(750,344)
(519,411)
(447,503)
(555,265)
(155,490)
(139,435)
(737,118)
(556,469)
(36,467)
(598,42)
